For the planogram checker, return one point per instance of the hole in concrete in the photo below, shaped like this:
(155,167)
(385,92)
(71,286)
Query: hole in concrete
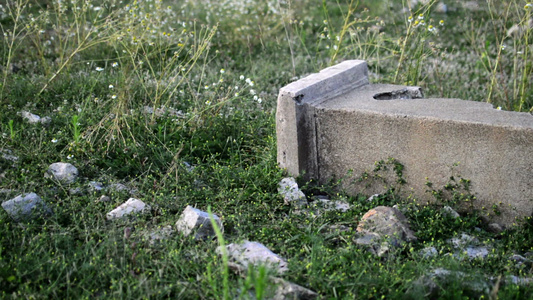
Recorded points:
(405,93)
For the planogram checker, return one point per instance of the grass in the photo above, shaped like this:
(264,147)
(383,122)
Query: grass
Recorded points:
(214,69)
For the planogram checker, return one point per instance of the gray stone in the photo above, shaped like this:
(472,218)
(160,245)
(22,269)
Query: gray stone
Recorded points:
(476,252)
(188,166)
(438,279)
(127,208)
(284,290)
(160,234)
(473,5)
(374,243)
(26,206)
(46,120)
(104,198)
(290,291)
(8,155)
(195,221)
(254,253)
(468,246)
(389,223)
(292,195)
(330,205)
(119,187)
(441,8)
(383,228)
(63,172)
(162,111)
(76,191)
(6,191)
(330,124)
(95,186)
(463,240)
(31,118)
(450,212)
(495,228)
(522,281)
(519,260)
(429,252)
(371,198)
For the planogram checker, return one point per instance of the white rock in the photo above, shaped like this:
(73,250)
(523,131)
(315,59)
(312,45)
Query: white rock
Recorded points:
(159,112)
(522,281)
(334,205)
(31,118)
(131,206)
(7,155)
(495,228)
(472,5)
(288,188)
(195,221)
(465,239)
(288,290)
(441,8)
(450,212)
(476,252)
(371,198)
(254,253)
(429,252)
(161,234)
(95,186)
(63,172)
(26,206)
(104,198)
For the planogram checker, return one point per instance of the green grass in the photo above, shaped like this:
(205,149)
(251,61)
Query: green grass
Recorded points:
(93,69)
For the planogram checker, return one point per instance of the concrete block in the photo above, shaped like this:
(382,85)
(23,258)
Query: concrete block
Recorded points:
(195,221)
(334,122)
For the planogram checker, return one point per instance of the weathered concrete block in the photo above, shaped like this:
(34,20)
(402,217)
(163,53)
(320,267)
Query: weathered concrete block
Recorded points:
(195,221)
(334,122)
(26,206)
(131,206)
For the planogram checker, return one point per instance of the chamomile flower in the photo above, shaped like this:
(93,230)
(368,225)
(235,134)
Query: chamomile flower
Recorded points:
(441,22)
(98,69)
(70,156)
(54,141)
(114,65)
(421,17)
(111,86)
(222,71)
(241,77)
(114,97)
(528,6)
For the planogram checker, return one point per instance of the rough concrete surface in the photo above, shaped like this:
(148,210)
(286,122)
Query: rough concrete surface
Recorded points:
(330,123)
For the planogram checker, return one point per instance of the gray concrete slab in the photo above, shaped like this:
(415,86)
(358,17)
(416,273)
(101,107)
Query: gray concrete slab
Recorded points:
(330,123)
